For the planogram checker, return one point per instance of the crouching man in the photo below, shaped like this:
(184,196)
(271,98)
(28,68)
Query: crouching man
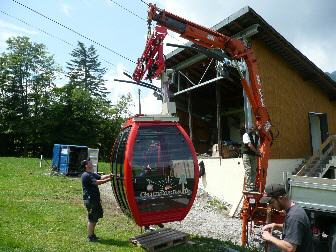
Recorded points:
(296,233)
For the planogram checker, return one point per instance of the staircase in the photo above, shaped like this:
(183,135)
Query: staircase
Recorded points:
(322,161)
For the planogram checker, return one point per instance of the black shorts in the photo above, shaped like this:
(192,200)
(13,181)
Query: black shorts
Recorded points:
(95,210)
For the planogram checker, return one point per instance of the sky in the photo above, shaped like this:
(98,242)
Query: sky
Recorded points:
(120,25)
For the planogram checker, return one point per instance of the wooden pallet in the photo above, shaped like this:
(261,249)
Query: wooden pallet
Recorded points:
(160,239)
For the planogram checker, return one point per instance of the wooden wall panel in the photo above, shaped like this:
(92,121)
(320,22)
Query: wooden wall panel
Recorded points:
(289,99)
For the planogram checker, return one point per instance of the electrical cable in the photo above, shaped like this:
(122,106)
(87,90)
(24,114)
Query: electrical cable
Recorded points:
(136,15)
(30,25)
(144,2)
(51,35)
(72,30)
(129,11)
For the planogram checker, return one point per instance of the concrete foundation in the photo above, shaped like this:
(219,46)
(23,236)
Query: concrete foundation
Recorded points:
(224,177)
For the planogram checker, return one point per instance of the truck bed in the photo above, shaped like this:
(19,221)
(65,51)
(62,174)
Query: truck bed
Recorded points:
(313,193)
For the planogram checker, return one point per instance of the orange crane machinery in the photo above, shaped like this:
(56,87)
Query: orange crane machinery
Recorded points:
(152,62)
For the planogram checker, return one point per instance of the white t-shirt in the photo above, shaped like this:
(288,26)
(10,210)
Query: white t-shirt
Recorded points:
(246,139)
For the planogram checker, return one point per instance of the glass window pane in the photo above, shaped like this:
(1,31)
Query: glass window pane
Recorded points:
(163,169)
(117,165)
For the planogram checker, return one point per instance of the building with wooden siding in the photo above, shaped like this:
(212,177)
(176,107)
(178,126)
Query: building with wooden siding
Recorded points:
(300,97)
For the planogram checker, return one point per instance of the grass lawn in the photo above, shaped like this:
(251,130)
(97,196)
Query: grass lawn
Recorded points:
(39,212)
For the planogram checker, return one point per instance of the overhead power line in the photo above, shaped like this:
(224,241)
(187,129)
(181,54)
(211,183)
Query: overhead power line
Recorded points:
(39,29)
(129,11)
(136,15)
(144,2)
(72,30)
(51,35)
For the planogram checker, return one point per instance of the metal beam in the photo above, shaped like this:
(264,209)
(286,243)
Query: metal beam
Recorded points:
(190,119)
(218,117)
(232,112)
(243,11)
(199,85)
(189,62)
(185,76)
(246,33)
(205,71)
(178,81)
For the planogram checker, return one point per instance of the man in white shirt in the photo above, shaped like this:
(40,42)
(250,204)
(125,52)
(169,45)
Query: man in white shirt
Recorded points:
(250,152)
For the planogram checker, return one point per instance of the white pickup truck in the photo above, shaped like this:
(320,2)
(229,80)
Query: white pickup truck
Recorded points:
(318,197)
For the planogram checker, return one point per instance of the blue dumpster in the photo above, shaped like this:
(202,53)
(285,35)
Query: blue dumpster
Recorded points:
(67,158)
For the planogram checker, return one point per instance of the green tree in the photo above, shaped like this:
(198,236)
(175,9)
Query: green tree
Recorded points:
(35,114)
(27,74)
(85,71)
(112,117)
(74,117)
(91,118)
(78,118)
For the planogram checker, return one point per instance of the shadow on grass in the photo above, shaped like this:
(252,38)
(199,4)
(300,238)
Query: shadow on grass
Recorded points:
(113,242)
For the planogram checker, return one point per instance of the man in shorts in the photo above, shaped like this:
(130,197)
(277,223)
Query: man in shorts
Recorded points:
(91,196)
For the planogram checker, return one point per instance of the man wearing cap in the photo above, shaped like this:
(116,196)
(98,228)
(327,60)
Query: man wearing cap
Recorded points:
(249,150)
(91,196)
(296,233)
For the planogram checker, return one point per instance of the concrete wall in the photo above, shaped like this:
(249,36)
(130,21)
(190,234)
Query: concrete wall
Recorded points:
(278,166)
(224,177)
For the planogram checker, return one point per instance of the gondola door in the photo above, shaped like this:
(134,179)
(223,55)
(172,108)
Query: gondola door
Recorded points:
(118,168)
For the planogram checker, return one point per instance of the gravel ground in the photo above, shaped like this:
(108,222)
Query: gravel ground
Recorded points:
(207,218)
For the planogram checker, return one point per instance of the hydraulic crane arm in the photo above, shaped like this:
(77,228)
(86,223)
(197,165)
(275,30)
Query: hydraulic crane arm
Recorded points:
(208,38)
(233,47)
(236,50)
(196,33)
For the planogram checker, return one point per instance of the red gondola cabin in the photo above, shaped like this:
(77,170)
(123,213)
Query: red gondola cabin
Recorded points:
(157,170)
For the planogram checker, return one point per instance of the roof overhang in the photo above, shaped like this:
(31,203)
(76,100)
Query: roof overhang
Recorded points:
(241,22)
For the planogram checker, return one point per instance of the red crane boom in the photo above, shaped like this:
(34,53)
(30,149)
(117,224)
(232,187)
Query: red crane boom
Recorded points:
(236,50)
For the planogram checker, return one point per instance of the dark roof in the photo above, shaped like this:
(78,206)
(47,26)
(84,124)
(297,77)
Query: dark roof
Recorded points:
(245,18)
